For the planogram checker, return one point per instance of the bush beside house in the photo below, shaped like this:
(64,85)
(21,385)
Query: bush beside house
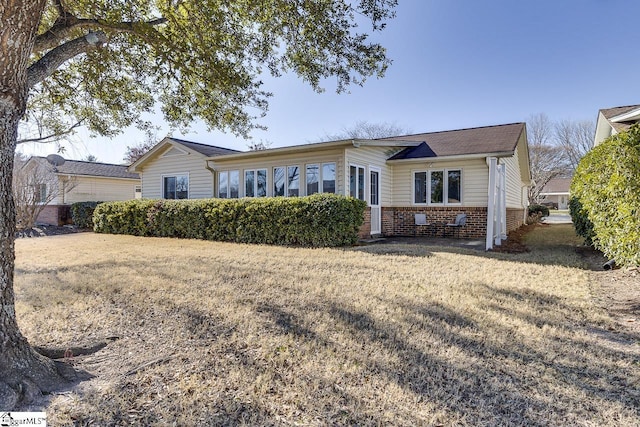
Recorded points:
(607,185)
(317,220)
(82,214)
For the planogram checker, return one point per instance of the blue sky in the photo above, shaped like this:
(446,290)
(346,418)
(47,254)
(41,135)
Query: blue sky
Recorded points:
(456,64)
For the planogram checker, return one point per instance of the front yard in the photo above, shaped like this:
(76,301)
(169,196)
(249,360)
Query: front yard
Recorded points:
(206,333)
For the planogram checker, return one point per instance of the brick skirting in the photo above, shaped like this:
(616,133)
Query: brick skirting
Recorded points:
(400,221)
(55,215)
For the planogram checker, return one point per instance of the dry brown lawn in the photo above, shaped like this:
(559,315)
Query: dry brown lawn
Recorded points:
(205,333)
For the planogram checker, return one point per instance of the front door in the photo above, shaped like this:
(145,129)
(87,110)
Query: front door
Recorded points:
(374,202)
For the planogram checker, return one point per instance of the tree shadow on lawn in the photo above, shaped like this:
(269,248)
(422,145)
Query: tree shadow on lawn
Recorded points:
(501,378)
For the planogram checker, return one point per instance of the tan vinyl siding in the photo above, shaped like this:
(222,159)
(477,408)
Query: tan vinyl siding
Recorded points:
(296,159)
(376,157)
(94,189)
(193,164)
(514,176)
(475,180)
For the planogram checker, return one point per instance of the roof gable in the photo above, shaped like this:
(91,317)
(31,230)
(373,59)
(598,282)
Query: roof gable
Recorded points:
(482,140)
(183,146)
(622,118)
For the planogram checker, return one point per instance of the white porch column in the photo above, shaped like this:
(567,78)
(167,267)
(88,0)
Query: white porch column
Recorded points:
(503,201)
(492,162)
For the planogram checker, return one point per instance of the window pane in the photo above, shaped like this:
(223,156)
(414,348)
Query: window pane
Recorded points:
(328,177)
(453,186)
(182,187)
(353,171)
(420,187)
(223,183)
(293,181)
(313,180)
(234,184)
(249,183)
(361,183)
(261,190)
(278,181)
(169,187)
(374,188)
(437,187)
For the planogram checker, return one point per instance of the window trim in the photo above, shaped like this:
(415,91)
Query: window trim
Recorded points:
(364,186)
(445,189)
(176,175)
(228,172)
(255,181)
(321,180)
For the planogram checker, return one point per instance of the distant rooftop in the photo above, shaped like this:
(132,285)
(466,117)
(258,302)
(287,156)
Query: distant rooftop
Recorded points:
(80,167)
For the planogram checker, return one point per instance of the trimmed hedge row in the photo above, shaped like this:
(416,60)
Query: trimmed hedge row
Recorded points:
(317,220)
(82,213)
(607,185)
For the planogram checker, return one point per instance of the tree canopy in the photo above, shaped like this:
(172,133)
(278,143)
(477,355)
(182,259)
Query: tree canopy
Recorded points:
(198,59)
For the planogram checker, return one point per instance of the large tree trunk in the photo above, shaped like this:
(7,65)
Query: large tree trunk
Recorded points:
(23,372)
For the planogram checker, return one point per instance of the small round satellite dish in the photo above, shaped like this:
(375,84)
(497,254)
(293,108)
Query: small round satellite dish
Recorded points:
(55,159)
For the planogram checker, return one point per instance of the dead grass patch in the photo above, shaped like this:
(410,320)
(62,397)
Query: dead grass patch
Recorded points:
(230,334)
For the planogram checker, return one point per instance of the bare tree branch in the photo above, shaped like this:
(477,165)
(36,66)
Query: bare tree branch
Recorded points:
(67,23)
(52,137)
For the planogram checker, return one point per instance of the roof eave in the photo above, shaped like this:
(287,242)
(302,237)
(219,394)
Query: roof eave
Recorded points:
(453,158)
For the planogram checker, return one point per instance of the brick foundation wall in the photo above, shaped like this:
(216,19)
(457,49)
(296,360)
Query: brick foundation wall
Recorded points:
(55,215)
(365,228)
(400,221)
(515,219)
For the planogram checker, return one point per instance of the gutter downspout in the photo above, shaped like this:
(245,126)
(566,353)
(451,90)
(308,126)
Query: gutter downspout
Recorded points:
(213,177)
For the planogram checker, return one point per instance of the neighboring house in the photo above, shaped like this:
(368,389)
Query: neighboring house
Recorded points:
(556,192)
(612,121)
(482,172)
(79,181)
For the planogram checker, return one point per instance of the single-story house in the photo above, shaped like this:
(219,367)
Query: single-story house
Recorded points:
(556,192)
(482,172)
(64,182)
(612,121)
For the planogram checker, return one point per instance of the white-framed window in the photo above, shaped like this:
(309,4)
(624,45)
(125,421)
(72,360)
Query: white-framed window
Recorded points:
(229,184)
(255,183)
(175,186)
(329,177)
(437,187)
(40,192)
(293,181)
(286,181)
(320,178)
(356,182)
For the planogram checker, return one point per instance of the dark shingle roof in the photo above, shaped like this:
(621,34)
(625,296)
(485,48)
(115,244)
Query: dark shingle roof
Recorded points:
(489,139)
(207,150)
(78,167)
(610,113)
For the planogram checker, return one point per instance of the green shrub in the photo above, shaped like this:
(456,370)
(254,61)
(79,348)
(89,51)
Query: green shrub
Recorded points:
(580,219)
(539,210)
(318,220)
(607,184)
(82,213)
